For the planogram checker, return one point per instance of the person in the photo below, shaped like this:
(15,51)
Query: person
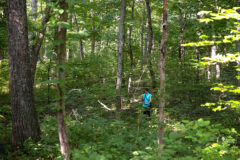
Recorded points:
(147,99)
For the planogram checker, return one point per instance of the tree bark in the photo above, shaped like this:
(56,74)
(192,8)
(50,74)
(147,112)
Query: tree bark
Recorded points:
(35,48)
(182,27)
(198,53)
(215,48)
(163,53)
(93,31)
(238,44)
(150,44)
(34,8)
(120,57)
(130,49)
(80,40)
(70,50)
(24,117)
(61,57)
(142,35)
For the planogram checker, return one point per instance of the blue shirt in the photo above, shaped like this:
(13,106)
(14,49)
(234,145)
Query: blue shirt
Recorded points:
(146,99)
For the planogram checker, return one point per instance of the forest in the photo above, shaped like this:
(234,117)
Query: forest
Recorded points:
(119,80)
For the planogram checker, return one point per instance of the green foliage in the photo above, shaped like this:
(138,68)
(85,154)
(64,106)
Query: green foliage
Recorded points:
(5,132)
(228,94)
(3,29)
(100,138)
(4,78)
(81,100)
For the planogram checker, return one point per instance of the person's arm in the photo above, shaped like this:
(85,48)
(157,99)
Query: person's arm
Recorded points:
(150,100)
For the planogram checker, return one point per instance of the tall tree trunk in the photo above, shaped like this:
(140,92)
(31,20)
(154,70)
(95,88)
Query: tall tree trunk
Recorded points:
(150,44)
(80,40)
(34,8)
(130,49)
(35,48)
(61,57)
(215,48)
(198,53)
(33,16)
(93,31)
(100,42)
(182,27)
(120,58)
(238,44)
(81,49)
(24,118)
(48,73)
(142,34)
(1,53)
(70,50)
(145,48)
(163,53)
(198,58)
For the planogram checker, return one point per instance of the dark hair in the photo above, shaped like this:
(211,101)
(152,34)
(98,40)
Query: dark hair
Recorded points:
(147,89)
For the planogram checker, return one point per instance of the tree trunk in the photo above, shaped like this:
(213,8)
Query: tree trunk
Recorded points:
(61,57)
(215,48)
(213,55)
(80,41)
(198,54)
(145,48)
(238,44)
(1,54)
(163,53)
(81,49)
(24,117)
(120,58)
(70,50)
(34,8)
(48,73)
(93,31)
(182,27)
(35,48)
(142,35)
(130,49)
(150,44)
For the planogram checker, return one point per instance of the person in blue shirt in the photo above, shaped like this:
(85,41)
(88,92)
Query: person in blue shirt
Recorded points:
(147,99)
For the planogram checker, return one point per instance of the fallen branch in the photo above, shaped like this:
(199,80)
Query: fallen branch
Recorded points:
(104,106)
(74,111)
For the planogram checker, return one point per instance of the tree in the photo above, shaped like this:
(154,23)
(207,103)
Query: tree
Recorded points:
(238,42)
(24,118)
(181,28)
(150,44)
(162,74)
(80,40)
(130,48)
(38,39)
(93,30)
(34,7)
(120,56)
(142,34)
(61,58)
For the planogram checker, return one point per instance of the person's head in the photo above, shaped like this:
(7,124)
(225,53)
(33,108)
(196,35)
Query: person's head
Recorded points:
(146,90)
